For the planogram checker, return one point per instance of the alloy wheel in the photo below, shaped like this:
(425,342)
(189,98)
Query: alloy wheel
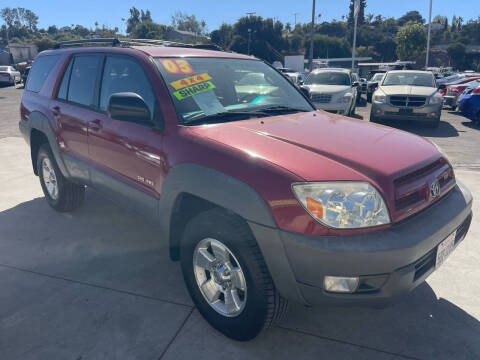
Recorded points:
(219,277)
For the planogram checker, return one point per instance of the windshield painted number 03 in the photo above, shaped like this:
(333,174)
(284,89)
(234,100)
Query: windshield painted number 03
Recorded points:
(177,66)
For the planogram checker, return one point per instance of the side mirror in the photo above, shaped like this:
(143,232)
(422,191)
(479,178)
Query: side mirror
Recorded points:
(355,84)
(301,82)
(129,106)
(441,87)
(305,90)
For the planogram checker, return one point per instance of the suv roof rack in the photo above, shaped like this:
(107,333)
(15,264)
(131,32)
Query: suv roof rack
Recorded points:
(111,41)
(133,42)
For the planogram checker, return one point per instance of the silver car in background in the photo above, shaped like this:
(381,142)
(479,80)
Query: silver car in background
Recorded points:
(333,90)
(8,75)
(407,95)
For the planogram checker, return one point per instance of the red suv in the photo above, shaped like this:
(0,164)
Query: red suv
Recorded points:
(261,197)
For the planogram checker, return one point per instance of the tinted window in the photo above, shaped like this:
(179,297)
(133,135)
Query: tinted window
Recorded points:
(39,72)
(328,78)
(125,75)
(82,79)
(62,91)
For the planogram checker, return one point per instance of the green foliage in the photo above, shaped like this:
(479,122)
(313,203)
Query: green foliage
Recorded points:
(411,40)
(332,47)
(183,21)
(45,43)
(456,51)
(149,30)
(411,16)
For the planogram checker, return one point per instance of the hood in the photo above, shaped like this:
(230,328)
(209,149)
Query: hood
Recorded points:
(322,146)
(330,89)
(408,90)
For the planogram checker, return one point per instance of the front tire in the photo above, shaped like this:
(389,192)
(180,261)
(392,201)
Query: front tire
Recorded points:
(60,193)
(227,277)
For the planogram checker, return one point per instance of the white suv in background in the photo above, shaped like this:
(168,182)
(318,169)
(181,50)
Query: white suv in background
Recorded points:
(333,90)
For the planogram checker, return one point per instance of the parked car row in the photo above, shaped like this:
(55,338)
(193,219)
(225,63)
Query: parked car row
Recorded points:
(469,103)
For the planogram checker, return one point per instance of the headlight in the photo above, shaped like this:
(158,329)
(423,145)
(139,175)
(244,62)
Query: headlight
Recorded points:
(436,99)
(380,98)
(343,204)
(346,98)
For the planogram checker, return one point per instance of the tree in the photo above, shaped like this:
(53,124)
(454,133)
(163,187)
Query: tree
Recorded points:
(133,20)
(185,22)
(223,36)
(361,13)
(31,19)
(413,16)
(411,40)
(149,30)
(456,52)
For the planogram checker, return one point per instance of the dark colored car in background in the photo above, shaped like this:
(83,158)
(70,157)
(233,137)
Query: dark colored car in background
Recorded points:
(261,198)
(469,103)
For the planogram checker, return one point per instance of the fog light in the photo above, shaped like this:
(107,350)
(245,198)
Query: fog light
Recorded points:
(340,284)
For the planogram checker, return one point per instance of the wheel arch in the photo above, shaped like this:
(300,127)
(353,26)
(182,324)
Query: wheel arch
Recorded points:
(191,188)
(41,131)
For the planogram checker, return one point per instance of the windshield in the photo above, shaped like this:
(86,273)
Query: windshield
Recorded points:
(377,77)
(204,87)
(328,78)
(414,79)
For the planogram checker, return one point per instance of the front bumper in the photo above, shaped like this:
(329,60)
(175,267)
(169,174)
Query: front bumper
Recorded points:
(427,112)
(390,263)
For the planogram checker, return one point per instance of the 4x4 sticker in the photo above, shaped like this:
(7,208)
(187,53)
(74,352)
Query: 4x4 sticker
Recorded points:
(194,90)
(192,80)
(177,66)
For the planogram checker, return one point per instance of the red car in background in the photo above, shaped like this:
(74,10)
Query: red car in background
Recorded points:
(443,88)
(455,90)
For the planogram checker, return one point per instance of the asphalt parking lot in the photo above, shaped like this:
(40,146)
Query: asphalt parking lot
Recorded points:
(98,284)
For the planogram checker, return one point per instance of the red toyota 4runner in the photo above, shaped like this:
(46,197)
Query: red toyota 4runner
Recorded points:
(259,196)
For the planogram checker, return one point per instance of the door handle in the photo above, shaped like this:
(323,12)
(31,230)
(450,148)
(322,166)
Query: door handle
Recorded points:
(56,110)
(95,125)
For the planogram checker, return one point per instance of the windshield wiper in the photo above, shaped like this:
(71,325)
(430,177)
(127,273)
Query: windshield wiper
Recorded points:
(281,109)
(225,116)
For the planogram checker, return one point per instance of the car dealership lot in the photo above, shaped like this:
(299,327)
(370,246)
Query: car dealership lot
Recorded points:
(97,283)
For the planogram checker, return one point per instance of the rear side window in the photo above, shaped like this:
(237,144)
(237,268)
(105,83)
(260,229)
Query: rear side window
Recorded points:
(83,78)
(39,72)
(63,89)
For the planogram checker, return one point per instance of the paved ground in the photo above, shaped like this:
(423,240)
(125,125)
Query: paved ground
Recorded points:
(97,284)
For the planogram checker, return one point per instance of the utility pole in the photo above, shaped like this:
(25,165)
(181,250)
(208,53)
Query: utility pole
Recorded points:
(249,39)
(356,10)
(312,28)
(295,14)
(428,38)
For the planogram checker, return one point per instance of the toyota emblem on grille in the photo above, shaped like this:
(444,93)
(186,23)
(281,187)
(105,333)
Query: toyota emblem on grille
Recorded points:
(434,190)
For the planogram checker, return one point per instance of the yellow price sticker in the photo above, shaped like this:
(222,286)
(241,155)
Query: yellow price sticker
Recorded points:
(194,90)
(191,80)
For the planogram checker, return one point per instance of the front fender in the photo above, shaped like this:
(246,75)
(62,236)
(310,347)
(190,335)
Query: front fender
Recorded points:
(215,187)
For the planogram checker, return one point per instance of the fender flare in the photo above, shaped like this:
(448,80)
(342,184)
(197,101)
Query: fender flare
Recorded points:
(215,187)
(40,122)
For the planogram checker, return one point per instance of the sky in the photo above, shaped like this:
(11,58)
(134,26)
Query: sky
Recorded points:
(214,12)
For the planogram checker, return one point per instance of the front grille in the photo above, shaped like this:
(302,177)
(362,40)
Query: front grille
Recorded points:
(413,189)
(322,98)
(407,101)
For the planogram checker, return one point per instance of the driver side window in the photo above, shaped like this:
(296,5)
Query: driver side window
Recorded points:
(122,74)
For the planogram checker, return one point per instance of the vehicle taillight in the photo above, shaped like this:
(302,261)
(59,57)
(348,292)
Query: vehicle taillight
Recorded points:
(476,91)
(443,91)
(458,89)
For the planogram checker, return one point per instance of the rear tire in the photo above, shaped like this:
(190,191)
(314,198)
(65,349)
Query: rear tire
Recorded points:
(60,193)
(258,304)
